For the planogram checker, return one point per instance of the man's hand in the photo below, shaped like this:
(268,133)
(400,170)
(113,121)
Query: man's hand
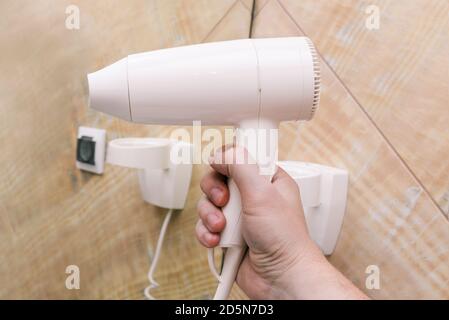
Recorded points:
(282,261)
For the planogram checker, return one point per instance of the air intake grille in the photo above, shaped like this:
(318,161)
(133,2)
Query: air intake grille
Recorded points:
(317,77)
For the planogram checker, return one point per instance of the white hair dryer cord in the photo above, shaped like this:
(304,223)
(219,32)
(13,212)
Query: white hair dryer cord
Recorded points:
(231,262)
(157,253)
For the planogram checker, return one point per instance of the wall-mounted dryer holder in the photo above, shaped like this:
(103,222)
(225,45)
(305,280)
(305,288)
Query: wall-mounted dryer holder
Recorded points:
(164,167)
(323,196)
(164,171)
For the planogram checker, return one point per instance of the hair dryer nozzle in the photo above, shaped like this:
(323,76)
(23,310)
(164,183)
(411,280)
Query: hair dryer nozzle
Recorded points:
(108,90)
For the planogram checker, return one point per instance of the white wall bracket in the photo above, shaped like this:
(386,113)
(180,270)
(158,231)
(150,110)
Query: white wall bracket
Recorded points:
(323,195)
(164,167)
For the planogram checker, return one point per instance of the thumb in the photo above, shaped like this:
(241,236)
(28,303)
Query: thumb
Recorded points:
(235,162)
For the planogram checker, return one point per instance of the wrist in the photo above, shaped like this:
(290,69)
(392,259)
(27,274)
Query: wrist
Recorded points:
(313,277)
(300,281)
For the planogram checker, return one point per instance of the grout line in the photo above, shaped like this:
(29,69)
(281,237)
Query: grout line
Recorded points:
(370,119)
(219,21)
(265,4)
(244,4)
(253,9)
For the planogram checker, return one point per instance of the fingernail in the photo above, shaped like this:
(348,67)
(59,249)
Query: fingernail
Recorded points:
(216,194)
(209,237)
(212,219)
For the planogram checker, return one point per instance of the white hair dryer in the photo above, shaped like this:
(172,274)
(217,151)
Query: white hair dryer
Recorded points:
(252,84)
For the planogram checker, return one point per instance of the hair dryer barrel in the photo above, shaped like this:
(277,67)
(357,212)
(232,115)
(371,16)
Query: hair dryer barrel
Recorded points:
(219,83)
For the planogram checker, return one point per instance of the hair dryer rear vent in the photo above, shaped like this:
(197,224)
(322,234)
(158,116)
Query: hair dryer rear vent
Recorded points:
(317,77)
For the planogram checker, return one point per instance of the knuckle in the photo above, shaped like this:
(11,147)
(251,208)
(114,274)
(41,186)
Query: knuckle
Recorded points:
(199,228)
(202,205)
(207,181)
(203,183)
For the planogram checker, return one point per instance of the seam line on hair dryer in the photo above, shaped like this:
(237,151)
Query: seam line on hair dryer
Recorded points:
(259,86)
(129,96)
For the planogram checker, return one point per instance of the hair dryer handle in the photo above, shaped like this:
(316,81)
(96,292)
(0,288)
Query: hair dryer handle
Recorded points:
(232,239)
(232,236)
